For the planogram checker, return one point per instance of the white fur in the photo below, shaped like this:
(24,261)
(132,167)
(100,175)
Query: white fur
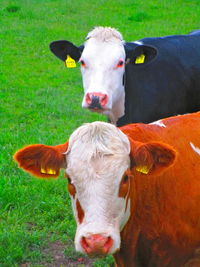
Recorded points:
(138,42)
(97,157)
(126,213)
(196,149)
(104,34)
(102,51)
(158,123)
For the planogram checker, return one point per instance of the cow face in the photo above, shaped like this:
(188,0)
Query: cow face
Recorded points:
(103,58)
(96,172)
(102,68)
(97,160)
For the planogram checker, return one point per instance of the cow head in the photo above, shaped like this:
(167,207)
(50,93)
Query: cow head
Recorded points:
(103,59)
(99,160)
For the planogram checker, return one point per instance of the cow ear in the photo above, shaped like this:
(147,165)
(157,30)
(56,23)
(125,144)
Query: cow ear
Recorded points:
(151,158)
(41,160)
(141,54)
(63,48)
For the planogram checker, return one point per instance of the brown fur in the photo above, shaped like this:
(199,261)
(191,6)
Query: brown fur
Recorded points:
(164,228)
(79,211)
(34,158)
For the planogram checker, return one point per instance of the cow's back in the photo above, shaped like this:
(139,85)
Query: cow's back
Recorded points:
(168,85)
(165,129)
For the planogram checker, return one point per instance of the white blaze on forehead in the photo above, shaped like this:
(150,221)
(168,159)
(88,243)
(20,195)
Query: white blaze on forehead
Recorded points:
(97,157)
(103,44)
(158,123)
(94,143)
(105,34)
(196,149)
(101,134)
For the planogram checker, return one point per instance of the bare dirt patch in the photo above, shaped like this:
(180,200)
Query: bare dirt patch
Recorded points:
(56,250)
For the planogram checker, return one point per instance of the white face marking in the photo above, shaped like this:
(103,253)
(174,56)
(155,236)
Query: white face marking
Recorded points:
(138,42)
(97,157)
(158,123)
(126,214)
(102,73)
(196,149)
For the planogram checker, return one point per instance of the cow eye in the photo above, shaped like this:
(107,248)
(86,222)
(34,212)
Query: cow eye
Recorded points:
(124,185)
(82,62)
(120,63)
(69,180)
(125,179)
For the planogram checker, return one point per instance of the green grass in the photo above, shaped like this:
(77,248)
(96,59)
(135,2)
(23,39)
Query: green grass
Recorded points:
(40,102)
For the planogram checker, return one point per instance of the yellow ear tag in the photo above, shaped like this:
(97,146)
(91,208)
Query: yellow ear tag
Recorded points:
(48,171)
(140,59)
(70,62)
(142,169)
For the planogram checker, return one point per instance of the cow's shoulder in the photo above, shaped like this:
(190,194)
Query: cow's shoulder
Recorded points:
(165,129)
(140,132)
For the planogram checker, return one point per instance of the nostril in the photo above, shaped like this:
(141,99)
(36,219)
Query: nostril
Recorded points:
(108,244)
(84,244)
(104,100)
(88,98)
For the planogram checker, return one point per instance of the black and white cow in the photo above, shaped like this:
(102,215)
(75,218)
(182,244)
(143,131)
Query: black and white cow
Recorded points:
(139,81)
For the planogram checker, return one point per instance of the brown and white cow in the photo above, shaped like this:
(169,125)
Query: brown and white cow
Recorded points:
(135,190)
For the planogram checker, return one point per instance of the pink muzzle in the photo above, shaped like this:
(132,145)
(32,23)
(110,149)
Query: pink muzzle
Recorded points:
(96,244)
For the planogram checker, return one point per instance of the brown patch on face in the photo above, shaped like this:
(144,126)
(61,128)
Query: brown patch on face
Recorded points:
(80,211)
(71,187)
(124,185)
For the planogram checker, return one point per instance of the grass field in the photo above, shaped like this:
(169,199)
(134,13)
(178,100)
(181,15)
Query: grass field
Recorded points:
(40,102)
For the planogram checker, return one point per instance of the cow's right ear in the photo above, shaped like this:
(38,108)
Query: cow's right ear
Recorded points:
(63,48)
(41,160)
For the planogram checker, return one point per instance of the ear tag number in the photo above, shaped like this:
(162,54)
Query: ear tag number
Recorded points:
(70,62)
(140,59)
(48,171)
(142,169)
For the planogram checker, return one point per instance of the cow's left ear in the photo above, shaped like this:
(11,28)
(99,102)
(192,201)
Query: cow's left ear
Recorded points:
(151,158)
(41,160)
(140,55)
